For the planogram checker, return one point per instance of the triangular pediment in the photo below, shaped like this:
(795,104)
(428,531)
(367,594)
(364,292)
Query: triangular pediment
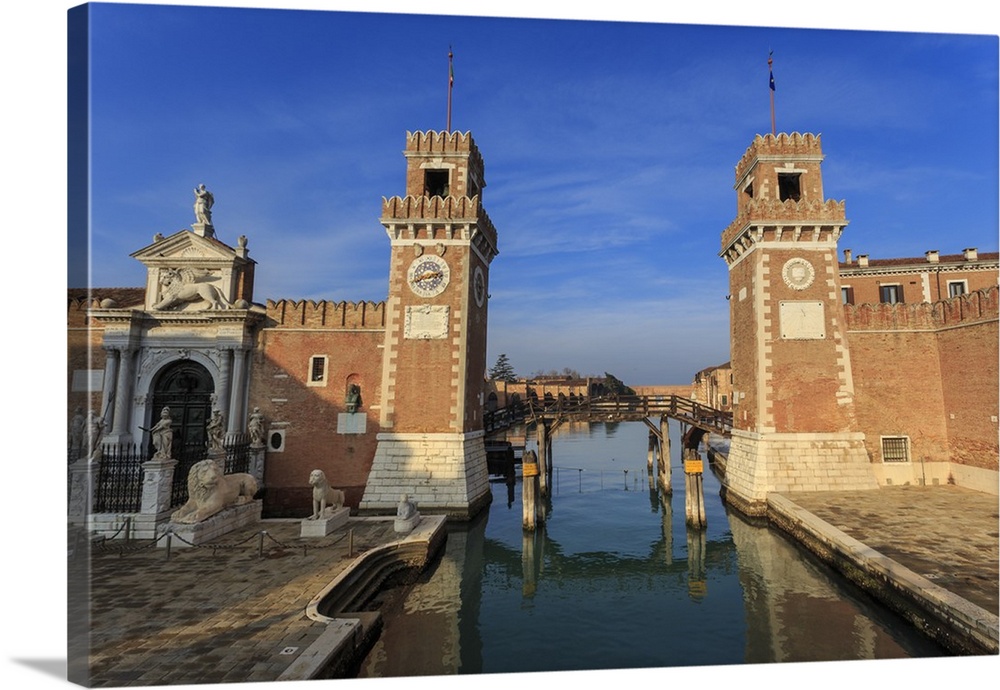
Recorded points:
(189,272)
(185,246)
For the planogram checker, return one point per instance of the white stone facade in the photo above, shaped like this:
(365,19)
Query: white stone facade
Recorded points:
(761,463)
(440,472)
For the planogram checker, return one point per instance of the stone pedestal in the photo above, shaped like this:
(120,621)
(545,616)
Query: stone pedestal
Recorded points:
(157,483)
(257,463)
(759,464)
(83,479)
(442,473)
(214,527)
(323,526)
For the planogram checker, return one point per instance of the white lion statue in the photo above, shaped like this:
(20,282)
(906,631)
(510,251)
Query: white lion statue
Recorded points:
(181,286)
(210,491)
(325,497)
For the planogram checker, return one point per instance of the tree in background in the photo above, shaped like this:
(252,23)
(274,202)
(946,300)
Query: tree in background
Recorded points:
(615,386)
(503,370)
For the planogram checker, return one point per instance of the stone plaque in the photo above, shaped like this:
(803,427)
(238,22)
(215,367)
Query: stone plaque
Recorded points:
(803,320)
(90,380)
(428,322)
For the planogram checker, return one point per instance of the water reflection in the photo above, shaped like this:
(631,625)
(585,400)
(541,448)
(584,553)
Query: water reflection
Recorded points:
(602,583)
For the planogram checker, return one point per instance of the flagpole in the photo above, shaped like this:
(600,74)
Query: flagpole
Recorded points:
(451,82)
(770,69)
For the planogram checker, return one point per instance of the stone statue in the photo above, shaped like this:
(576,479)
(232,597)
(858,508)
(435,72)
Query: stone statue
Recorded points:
(163,436)
(179,286)
(324,496)
(407,516)
(255,427)
(216,430)
(210,492)
(353,398)
(77,425)
(203,202)
(406,509)
(95,429)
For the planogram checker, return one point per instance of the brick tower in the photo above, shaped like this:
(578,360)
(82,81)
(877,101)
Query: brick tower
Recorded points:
(430,443)
(794,426)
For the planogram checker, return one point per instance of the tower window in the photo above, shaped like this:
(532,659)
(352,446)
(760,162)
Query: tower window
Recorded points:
(436,183)
(789,187)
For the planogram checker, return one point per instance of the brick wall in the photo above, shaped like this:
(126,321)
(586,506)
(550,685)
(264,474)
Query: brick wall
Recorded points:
(929,372)
(280,387)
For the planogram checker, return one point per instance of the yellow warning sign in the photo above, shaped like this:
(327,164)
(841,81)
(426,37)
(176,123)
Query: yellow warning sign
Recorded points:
(694,466)
(529,469)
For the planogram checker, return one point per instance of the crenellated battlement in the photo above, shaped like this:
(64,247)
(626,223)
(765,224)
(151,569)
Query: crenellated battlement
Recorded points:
(975,307)
(789,145)
(792,221)
(442,143)
(287,313)
(432,208)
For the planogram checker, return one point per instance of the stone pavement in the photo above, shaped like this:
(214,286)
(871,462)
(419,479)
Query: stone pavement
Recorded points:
(214,615)
(947,534)
(204,617)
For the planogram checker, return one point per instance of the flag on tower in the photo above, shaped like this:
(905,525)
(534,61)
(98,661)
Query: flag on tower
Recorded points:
(770,69)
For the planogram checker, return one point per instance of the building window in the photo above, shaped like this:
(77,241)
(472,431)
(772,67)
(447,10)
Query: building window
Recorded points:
(890,294)
(957,287)
(847,295)
(788,186)
(317,370)
(725,400)
(436,183)
(895,449)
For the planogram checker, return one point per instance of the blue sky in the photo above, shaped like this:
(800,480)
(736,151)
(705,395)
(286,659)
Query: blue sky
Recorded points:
(609,150)
(903,124)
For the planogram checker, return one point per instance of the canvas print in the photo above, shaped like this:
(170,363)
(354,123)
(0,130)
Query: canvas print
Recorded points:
(408,345)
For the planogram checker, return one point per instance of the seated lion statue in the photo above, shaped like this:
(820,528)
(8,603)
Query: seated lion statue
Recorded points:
(210,491)
(324,496)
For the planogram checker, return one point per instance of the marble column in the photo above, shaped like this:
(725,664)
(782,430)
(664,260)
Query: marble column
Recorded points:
(108,387)
(238,390)
(223,386)
(123,397)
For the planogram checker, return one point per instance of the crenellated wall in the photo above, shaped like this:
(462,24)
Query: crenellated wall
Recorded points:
(929,372)
(287,313)
(980,305)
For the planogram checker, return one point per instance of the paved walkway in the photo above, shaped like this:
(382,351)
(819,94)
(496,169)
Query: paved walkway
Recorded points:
(204,617)
(947,534)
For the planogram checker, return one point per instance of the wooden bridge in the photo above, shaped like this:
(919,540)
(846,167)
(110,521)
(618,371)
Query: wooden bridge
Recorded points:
(611,408)
(548,413)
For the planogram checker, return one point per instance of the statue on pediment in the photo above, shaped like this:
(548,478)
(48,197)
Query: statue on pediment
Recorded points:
(203,202)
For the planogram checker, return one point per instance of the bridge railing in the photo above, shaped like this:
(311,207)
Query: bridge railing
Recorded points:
(611,407)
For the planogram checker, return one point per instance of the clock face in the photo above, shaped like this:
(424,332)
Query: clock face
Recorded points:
(479,286)
(428,276)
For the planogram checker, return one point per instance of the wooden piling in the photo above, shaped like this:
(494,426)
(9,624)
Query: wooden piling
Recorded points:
(694,491)
(665,483)
(544,459)
(529,491)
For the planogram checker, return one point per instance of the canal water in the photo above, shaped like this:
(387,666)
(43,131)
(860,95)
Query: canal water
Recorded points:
(615,580)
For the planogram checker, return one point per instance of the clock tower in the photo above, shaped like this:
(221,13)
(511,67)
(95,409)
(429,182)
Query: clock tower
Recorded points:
(431,438)
(794,426)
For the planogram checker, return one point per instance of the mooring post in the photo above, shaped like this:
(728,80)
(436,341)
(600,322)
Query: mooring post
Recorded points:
(544,461)
(694,494)
(665,484)
(529,490)
(650,451)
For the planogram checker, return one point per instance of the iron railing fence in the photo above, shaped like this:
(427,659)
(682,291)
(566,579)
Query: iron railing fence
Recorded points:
(119,480)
